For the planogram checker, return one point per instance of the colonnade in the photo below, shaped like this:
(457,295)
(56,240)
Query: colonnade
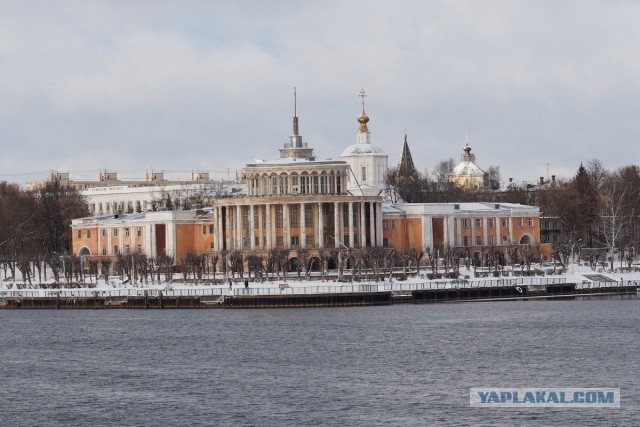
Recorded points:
(300,224)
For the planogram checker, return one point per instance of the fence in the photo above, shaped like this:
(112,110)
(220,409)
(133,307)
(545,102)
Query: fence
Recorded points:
(284,289)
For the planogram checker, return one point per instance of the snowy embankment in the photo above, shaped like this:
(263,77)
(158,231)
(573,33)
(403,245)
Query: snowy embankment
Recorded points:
(582,276)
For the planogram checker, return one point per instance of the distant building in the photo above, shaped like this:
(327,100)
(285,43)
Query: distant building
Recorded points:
(467,174)
(110,178)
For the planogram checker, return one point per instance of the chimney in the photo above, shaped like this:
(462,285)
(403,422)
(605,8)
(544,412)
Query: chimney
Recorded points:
(541,180)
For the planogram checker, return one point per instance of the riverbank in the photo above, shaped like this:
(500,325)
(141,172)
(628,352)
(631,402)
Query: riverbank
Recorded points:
(311,293)
(327,296)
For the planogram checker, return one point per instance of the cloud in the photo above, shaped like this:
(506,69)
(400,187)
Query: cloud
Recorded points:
(202,85)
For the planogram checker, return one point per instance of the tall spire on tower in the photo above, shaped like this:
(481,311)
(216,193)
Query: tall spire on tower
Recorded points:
(296,139)
(406,166)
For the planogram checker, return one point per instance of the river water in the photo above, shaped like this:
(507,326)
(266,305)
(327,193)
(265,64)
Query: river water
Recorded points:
(396,365)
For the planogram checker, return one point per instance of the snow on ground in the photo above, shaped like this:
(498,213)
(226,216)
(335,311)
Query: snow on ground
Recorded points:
(114,286)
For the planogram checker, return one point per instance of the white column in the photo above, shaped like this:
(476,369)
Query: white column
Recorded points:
(285,225)
(150,240)
(252,229)
(170,228)
(473,231)
(320,237)
(380,232)
(498,222)
(485,231)
(216,229)
(268,227)
(336,220)
(303,227)
(372,224)
(239,239)
(351,232)
(260,227)
(363,229)
(110,246)
(228,227)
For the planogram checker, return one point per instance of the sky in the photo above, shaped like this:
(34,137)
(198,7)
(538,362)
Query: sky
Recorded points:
(179,86)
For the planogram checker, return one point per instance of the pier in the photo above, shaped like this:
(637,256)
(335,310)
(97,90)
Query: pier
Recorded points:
(310,295)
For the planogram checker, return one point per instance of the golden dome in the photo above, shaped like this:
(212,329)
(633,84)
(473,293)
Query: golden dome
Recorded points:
(363,120)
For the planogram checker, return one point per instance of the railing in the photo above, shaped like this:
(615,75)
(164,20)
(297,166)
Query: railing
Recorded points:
(599,285)
(301,290)
(297,289)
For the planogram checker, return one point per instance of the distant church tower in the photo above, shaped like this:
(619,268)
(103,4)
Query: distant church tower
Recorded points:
(406,166)
(467,174)
(295,148)
(368,164)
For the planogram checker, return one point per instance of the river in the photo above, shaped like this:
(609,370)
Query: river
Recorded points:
(359,366)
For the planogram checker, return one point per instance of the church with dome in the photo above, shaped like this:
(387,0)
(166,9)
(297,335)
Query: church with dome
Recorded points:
(367,163)
(467,174)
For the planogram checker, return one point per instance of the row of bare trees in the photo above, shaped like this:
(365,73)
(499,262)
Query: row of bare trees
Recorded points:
(35,229)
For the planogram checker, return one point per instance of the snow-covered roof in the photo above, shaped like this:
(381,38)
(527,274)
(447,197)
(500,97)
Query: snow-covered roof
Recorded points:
(467,168)
(361,149)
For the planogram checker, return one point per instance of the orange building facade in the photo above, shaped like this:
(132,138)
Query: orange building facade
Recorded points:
(470,226)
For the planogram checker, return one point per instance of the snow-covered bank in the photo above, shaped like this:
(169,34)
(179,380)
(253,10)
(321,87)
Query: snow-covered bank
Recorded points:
(582,276)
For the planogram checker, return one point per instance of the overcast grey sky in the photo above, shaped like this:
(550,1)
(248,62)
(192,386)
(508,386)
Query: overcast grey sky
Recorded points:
(189,85)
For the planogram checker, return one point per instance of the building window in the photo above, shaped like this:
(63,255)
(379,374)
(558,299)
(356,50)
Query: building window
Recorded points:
(478,240)
(88,233)
(504,239)
(139,231)
(385,242)
(530,222)
(115,232)
(520,222)
(504,222)
(210,228)
(385,224)
(211,245)
(79,234)
(104,251)
(295,241)
(478,223)
(104,232)
(308,240)
(492,240)
(393,224)
(139,249)
(345,239)
(345,215)
(126,232)
(308,215)
(279,241)
(364,173)
(295,216)
(490,222)
(115,249)
(465,223)
(466,240)
(279,218)
(126,249)
(256,241)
